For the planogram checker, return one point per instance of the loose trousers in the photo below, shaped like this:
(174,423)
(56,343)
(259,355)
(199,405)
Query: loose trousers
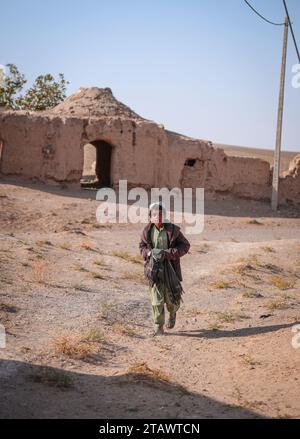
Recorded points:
(159,297)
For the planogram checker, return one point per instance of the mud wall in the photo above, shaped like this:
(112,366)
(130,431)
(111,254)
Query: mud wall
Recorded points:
(199,164)
(39,147)
(139,152)
(290,183)
(50,148)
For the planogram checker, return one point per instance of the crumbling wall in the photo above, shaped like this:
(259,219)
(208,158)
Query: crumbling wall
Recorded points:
(290,183)
(197,163)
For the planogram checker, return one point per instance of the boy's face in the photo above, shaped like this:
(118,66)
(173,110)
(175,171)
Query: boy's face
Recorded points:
(156,216)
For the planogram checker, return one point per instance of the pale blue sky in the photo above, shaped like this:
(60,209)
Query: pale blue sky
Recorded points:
(205,68)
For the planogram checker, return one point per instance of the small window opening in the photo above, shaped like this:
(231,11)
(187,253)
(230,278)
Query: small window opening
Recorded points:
(190,162)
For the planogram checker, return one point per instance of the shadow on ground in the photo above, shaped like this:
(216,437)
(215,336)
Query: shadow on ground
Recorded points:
(242,332)
(129,395)
(224,205)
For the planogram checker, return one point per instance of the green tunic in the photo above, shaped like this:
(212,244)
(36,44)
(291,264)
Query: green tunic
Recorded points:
(158,292)
(159,237)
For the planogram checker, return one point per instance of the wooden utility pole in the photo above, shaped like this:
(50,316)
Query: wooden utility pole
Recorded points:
(276,168)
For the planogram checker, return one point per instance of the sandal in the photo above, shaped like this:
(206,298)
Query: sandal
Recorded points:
(171,322)
(159,330)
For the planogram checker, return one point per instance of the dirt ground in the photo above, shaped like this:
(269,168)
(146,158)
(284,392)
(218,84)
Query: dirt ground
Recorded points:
(76,311)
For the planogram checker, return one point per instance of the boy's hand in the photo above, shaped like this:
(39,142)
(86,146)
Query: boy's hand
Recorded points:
(171,253)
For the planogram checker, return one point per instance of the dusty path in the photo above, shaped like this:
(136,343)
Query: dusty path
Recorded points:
(75,307)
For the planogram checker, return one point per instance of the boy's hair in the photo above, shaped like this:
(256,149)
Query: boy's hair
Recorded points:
(158,206)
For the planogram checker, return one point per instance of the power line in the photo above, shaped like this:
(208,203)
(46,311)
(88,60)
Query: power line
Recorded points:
(292,31)
(261,16)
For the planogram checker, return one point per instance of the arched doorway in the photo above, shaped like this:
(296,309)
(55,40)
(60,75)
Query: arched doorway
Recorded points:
(96,164)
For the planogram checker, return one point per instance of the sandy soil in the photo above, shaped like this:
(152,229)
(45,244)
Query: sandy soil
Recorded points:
(76,311)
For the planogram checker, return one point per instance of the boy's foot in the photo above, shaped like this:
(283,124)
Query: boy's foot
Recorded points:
(172,321)
(158,330)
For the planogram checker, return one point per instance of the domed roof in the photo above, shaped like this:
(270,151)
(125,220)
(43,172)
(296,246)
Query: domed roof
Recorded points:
(96,102)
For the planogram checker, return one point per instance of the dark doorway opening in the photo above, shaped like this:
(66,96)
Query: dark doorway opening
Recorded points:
(190,162)
(97,165)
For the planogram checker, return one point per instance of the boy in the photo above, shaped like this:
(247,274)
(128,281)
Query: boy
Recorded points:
(159,233)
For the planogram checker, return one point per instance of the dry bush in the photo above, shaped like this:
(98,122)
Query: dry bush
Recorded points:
(74,346)
(100,262)
(52,377)
(81,269)
(215,326)
(95,335)
(86,221)
(251,260)
(154,377)
(133,276)
(97,275)
(281,283)
(230,317)
(142,368)
(249,361)
(42,242)
(65,245)
(268,249)
(252,294)
(137,259)
(124,329)
(108,308)
(101,226)
(246,264)
(280,303)
(242,268)
(221,284)
(226,317)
